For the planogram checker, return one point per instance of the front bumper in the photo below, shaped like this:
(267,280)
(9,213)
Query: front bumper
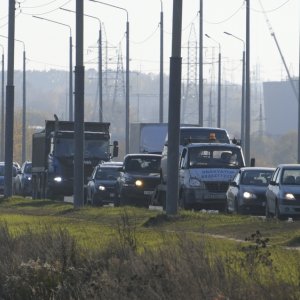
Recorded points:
(205,197)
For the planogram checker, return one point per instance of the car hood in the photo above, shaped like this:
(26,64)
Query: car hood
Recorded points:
(143,175)
(294,189)
(253,189)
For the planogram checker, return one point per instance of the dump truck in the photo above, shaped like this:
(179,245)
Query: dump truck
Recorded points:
(53,156)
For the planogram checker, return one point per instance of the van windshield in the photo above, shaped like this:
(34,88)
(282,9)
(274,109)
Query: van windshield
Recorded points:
(215,157)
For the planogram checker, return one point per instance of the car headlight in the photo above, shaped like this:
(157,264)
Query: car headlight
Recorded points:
(289,196)
(139,183)
(194,182)
(28,178)
(101,188)
(57,179)
(248,195)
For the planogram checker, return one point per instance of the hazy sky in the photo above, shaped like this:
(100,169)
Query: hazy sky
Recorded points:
(47,43)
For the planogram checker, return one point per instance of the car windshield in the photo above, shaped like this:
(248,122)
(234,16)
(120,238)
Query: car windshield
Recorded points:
(27,168)
(2,171)
(256,177)
(215,157)
(291,176)
(107,174)
(143,164)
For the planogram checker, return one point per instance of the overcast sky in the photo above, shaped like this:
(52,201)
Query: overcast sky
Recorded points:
(47,43)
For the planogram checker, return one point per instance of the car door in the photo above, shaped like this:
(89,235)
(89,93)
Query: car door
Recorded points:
(272,190)
(182,167)
(233,190)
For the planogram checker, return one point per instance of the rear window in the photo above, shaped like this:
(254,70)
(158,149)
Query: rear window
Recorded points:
(203,135)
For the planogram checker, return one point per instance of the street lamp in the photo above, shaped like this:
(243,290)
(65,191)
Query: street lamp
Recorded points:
(243,91)
(71,114)
(99,63)
(127,74)
(161,71)
(2,106)
(219,82)
(24,103)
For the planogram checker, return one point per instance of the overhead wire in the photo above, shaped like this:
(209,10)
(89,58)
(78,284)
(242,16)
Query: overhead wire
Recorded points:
(228,18)
(270,10)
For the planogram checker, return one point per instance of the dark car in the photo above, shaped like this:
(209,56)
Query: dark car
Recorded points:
(247,191)
(2,172)
(101,185)
(22,182)
(283,192)
(139,177)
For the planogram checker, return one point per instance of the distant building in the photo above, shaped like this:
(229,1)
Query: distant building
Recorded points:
(280,107)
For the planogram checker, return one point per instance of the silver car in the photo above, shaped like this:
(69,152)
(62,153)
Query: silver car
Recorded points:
(283,192)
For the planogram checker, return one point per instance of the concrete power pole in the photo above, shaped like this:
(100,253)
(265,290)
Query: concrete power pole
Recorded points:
(174,110)
(10,99)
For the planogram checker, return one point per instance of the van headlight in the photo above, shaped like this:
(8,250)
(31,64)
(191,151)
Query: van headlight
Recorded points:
(194,182)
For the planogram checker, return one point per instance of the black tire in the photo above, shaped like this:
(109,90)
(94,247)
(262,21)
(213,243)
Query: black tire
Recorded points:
(183,203)
(267,211)
(277,213)
(96,201)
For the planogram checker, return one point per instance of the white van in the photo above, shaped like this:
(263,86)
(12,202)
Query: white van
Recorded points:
(195,134)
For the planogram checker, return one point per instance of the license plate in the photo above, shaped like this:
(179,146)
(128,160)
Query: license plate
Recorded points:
(111,195)
(148,192)
(214,196)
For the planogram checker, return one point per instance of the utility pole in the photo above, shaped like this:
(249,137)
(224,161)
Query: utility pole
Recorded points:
(201,64)
(2,107)
(79,110)
(161,70)
(10,98)
(247,102)
(174,111)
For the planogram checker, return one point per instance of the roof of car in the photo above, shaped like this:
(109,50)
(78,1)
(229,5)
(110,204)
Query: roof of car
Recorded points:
(142,154)
(288,166)
(257,169)
(221,145)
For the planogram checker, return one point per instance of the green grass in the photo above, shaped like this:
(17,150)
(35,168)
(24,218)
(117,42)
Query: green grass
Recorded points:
(137,253)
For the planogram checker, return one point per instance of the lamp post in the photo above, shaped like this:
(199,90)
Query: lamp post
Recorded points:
(127,73)
(243,91)
(219,82)
(10,100)
(200,121)
(71,113)
(24,103)
(100,89)
(2,106)
(161,70)
(247,86)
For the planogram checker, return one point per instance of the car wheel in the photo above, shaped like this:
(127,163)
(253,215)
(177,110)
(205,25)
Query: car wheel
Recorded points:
(95,201)
(278,215)
(183,201)
(268,214)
